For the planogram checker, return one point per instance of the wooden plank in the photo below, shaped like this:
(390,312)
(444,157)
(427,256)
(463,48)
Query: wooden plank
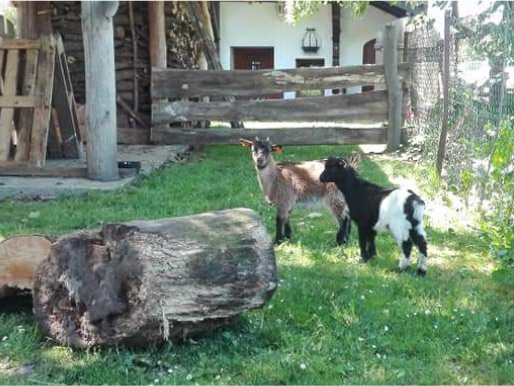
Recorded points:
(136,116)
(203,32)
(34,171)
(69,88)
(157,34)
(441,149)
(102,149)
(20,44)
(133,136)
(43,93)
(296,136)
(25,121)
(370,107)
(2,25)
(171,83)
(394,92)
(17,101)
(61,101)
(7,114)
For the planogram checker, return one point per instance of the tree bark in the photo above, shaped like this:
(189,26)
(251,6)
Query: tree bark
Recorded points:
(149,281)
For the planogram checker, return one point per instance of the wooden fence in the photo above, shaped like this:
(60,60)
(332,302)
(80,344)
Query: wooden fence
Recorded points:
(369,107)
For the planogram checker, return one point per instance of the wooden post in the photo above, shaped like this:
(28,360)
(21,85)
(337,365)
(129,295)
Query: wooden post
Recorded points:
(441,150)
(157,26)
(394,91)
(100,89)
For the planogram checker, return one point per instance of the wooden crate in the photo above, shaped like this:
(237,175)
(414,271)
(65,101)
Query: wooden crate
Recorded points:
(34,79)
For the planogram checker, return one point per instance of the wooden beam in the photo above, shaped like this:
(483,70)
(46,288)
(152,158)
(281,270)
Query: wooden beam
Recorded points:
(133,136)
(12,101)
(25,121)
(98,35)
(204,34)
(7,114)
(20,44)
(441,149)
(296,136)
(43,110)
(366,107)
(26,170)
(394,92)
(26,19)
(137,117)
(336,33)
(157,26)
(171,83)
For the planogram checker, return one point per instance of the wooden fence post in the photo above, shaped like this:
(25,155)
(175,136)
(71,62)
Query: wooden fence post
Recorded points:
(394,90)
(102,150)
(441,150)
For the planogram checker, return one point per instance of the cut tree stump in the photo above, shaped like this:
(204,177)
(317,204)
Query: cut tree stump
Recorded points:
(19,259)
(146,282)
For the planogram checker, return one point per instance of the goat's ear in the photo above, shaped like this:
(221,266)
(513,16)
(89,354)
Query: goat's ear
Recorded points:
(245,142)
(355,159)
(276,149)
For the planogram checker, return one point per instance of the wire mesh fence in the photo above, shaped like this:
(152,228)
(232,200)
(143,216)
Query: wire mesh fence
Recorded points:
(480,94)
(479,157)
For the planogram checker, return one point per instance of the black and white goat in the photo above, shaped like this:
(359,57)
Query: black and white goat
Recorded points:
(376,209)
(286,184)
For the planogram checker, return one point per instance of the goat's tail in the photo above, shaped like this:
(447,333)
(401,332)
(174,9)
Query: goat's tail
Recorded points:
(419,208)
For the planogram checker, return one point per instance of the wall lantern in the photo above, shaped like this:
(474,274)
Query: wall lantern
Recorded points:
(311,42)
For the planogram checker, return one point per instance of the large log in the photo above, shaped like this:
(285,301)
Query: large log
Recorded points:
(19,259)
(149,281)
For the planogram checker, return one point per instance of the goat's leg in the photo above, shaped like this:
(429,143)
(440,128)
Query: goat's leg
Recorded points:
(418,237)
(363,244)
(406,246)
(342,216)
(279,234)
(287,230)
(283,230)
(372,250)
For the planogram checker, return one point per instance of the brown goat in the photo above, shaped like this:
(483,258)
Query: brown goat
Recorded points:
(286,184)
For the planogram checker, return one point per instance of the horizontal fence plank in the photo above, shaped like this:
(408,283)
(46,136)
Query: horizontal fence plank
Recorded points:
(17,101)
(170,83)
(296,136)
(16,169)
(369,107)
(20,44)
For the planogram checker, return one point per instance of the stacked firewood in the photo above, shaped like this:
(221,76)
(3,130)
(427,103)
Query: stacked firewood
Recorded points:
(132,60)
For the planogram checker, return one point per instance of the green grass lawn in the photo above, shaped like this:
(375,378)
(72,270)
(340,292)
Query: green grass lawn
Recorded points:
(331,321)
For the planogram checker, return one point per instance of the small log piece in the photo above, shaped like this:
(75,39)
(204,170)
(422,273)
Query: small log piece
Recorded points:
(149,281)
(19,258)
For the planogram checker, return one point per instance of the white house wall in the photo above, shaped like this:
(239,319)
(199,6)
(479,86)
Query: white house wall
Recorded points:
(244,24)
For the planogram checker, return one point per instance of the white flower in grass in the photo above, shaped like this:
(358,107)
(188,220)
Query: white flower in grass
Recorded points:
(218,377)
(373,346)
(360,339)
(415,313)
(363,297)
(170,371)
(427,312)
(189,377)
(436,326)
(378,356)
(303,366)
(386,328)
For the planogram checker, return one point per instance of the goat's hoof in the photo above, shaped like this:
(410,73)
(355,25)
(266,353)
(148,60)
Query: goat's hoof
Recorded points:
(421,272)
